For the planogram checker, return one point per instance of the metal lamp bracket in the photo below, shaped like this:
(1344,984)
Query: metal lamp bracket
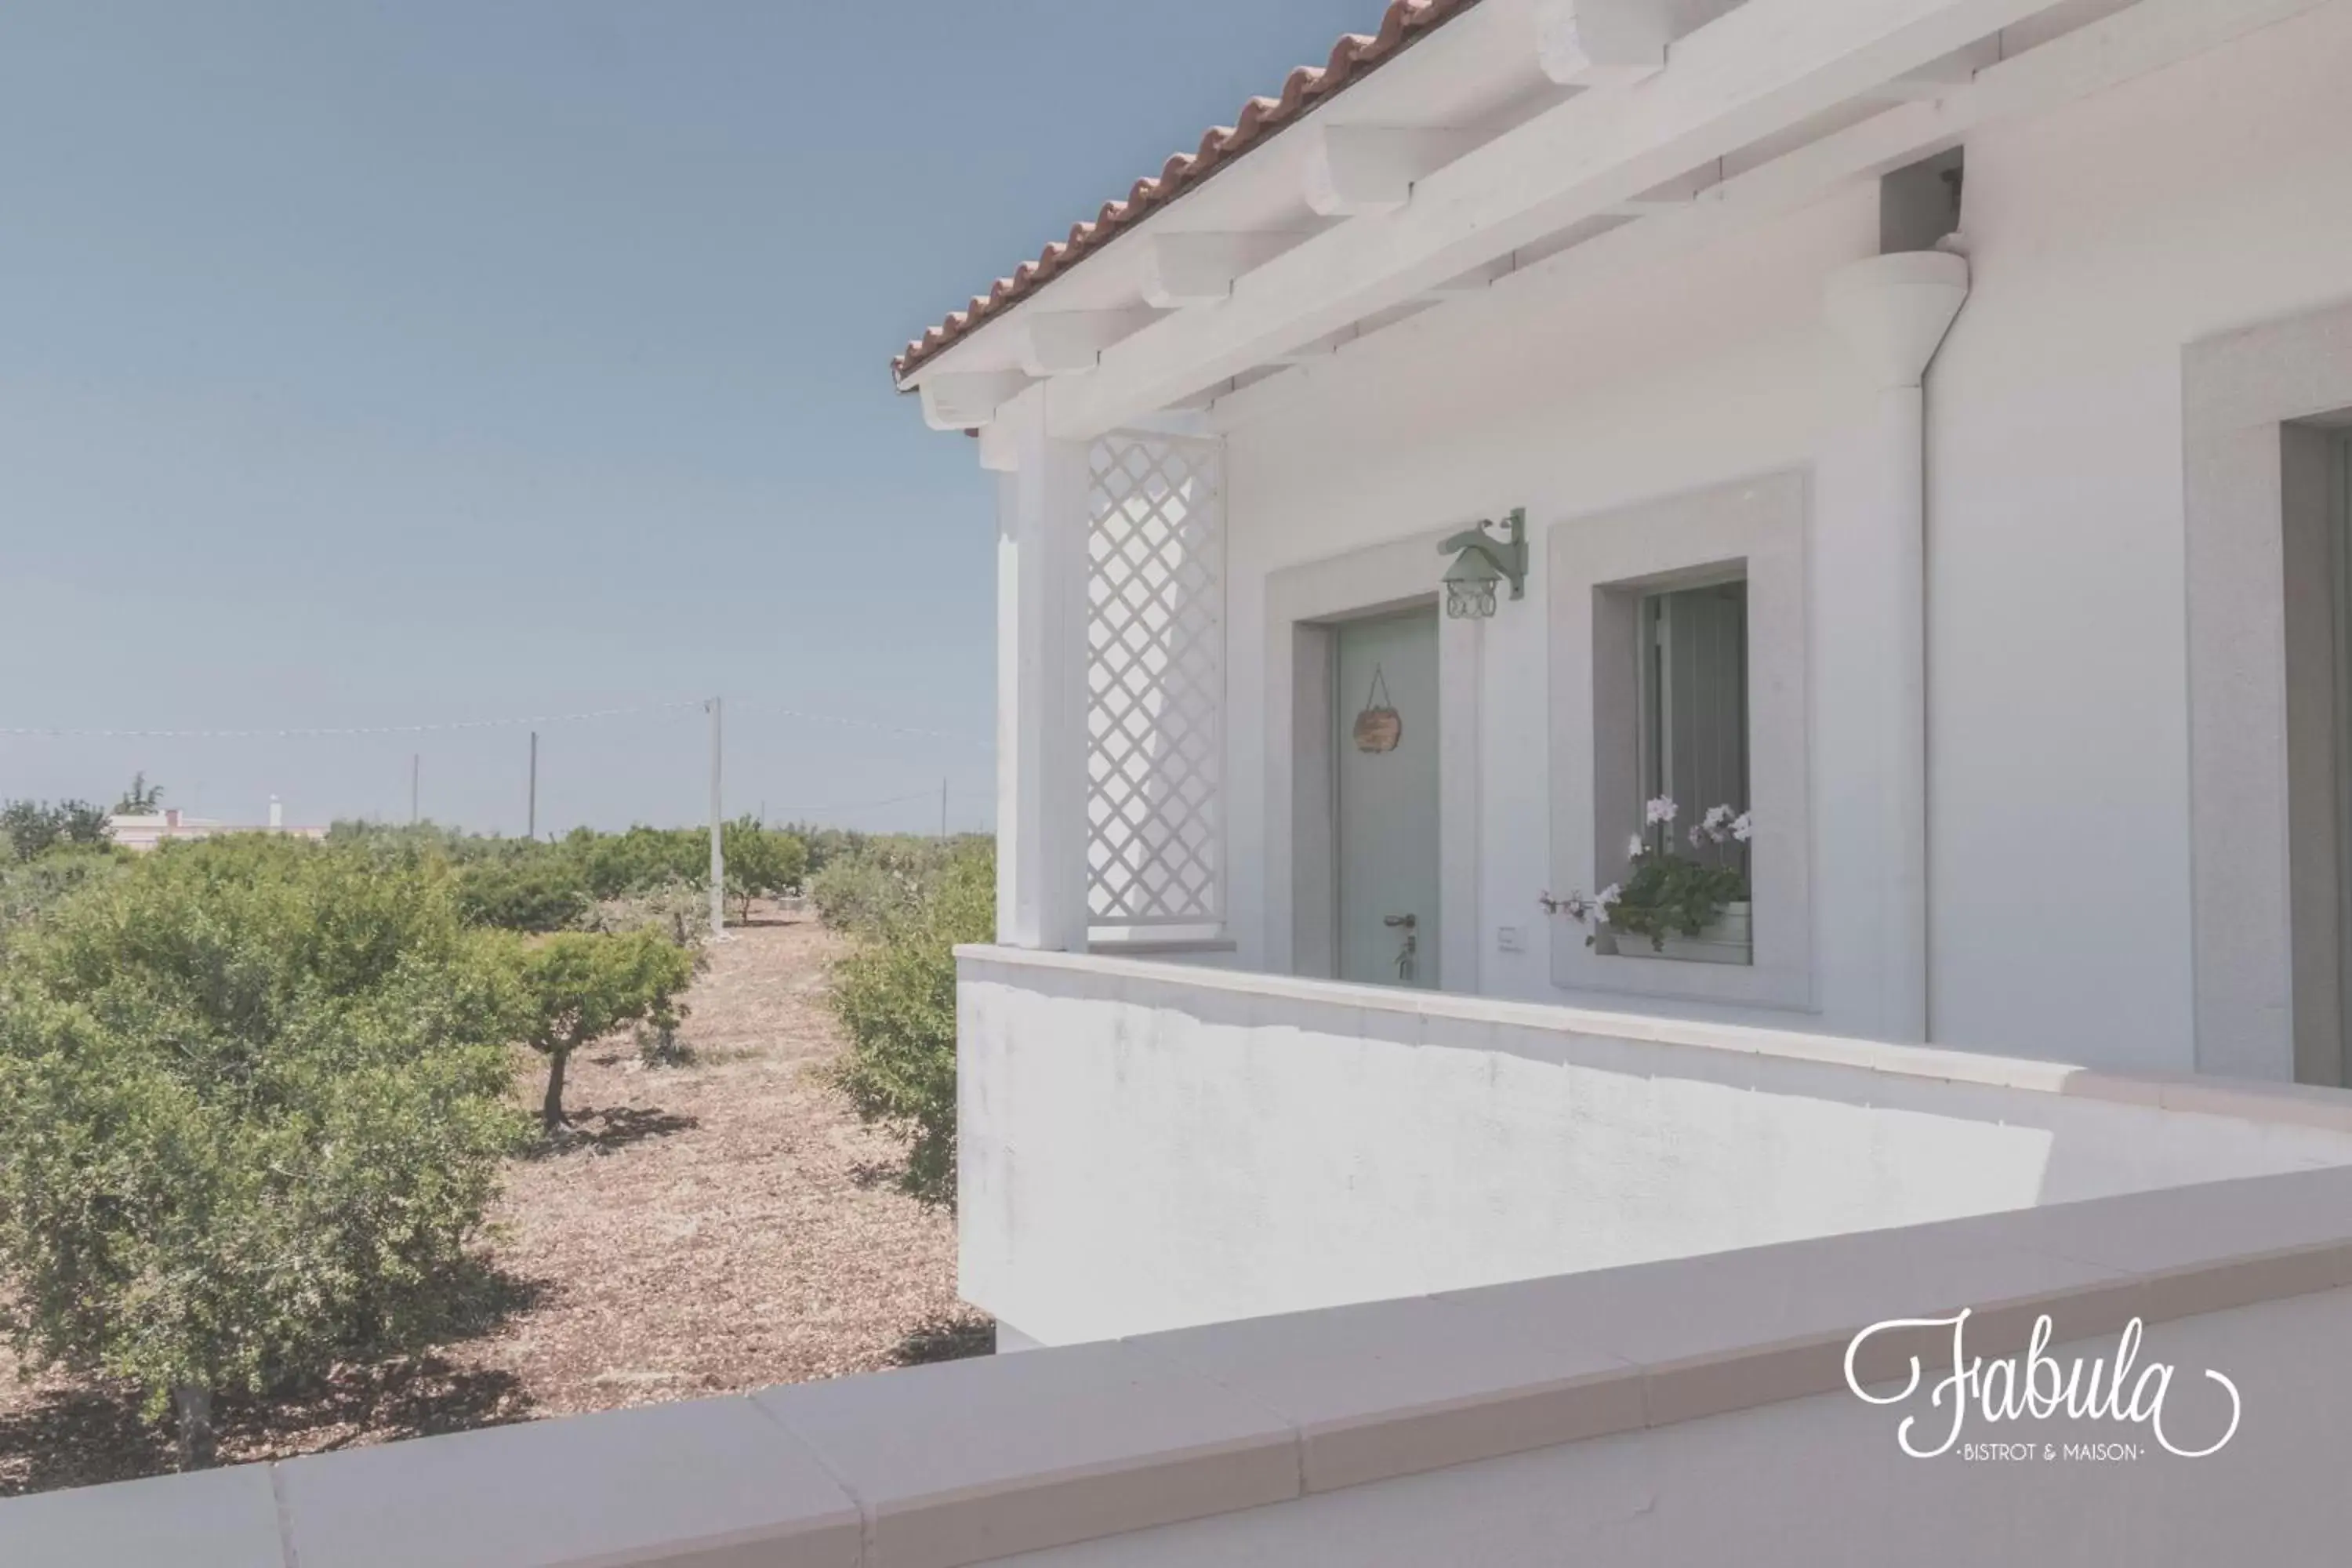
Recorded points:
(1506,552)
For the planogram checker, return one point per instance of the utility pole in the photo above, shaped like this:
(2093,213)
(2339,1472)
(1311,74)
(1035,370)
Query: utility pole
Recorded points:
(530,811)
(416,763)
(717,857)
(943,811)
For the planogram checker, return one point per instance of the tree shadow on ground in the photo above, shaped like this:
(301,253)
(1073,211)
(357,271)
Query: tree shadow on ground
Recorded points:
(74,1433)
(76,1437)
(868,1175)
(614,1128)
(945,1338)
(414,1396)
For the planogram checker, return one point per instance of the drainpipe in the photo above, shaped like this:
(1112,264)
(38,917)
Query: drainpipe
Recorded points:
(1893,312)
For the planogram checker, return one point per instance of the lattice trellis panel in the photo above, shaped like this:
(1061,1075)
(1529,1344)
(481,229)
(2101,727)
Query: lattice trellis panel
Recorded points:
(1156,679)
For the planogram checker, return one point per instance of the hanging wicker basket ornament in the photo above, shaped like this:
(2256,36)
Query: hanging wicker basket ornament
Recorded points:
(1377,727)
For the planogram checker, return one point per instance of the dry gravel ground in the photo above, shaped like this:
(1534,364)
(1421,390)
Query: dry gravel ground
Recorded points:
(720,1225)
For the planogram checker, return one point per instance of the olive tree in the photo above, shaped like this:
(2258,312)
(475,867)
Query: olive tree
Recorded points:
(35,827)
(760,861)
(254,1094)
(579,986)
(896,997)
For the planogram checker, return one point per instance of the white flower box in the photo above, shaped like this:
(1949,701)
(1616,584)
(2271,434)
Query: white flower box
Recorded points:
(1729,938)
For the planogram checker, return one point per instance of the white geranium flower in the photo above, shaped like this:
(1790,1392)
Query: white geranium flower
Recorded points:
(1663,809)
(1576,907)
(1716,817)
(1702,836)
(1605,900)
(1633,847)
(1743,826)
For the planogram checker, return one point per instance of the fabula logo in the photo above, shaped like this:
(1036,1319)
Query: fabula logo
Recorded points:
(2036,1387)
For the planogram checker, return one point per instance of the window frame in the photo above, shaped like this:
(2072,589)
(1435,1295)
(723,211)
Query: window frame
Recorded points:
(1602,566)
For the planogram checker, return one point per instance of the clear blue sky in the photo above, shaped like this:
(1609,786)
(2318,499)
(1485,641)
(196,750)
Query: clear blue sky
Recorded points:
(446,360)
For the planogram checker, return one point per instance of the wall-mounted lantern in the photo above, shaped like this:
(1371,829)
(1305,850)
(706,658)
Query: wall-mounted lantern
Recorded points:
(1482,559)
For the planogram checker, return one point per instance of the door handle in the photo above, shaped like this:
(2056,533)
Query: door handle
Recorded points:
(1412,941)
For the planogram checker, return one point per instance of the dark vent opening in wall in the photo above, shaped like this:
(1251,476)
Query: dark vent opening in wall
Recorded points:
(1920,203)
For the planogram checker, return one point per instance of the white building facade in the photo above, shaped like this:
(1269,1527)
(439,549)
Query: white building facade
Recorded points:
(1924,417)
(1923,421)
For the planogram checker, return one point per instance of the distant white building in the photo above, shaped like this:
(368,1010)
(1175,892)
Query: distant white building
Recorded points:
(144,830)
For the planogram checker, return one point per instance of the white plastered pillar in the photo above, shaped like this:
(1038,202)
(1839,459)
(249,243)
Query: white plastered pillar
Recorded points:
(1041,679)
(1892,311)
(1461,648)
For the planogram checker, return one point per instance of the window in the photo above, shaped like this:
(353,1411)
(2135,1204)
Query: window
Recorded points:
(1679,672)
(1695,697)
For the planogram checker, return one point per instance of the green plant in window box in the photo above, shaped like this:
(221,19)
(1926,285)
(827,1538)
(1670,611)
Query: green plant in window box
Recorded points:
(1665,892)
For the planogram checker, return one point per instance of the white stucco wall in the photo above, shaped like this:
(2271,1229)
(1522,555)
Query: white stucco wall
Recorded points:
(1820,1481)
(2103,236)
(1142,1148)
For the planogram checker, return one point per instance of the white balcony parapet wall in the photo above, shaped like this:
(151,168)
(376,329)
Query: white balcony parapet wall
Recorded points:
(1147,1146)
(1682,1412)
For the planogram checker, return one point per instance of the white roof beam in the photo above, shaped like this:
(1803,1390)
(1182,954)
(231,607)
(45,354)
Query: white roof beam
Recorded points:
(1193,269)
(1321,348)
(2151,36)
(1352,170)
(968,400)
(1938,79)
(1189,422)
(1671,195)
(1755,71)
(1061,341)
(1475,280)
(1591,43)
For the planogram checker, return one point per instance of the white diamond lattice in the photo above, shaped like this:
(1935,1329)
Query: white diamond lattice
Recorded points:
(1156,682)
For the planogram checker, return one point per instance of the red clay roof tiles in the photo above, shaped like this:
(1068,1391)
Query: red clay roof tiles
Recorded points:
(1353,57)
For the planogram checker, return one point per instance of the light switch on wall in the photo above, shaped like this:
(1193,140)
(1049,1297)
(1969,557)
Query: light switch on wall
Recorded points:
(1511,938)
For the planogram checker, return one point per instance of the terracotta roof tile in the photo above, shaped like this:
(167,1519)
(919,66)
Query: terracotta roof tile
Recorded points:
(1353,57)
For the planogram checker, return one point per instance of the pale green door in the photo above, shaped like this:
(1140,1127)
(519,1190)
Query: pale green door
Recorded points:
(1386,809)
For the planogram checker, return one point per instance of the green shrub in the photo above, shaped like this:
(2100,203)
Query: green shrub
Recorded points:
(614,865)
(522,884)
(32,828)
(884,878)
(826,845)
(678,910)
(857,895)
(527,889)
(895,995)
(28,887)
(578,987)
(254,1093)
(760,861)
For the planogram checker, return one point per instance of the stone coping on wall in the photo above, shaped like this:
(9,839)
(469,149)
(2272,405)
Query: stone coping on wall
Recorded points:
(2192,1093)
(939,1465)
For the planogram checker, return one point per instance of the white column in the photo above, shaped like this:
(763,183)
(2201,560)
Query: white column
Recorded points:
(1893,312)
(1041,683)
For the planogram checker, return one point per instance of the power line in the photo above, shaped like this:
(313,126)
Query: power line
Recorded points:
(852,805)
(758,707)
(70,732)
(319,732)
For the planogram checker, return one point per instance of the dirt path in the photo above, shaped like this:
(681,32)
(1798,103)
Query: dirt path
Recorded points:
(725,1225)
